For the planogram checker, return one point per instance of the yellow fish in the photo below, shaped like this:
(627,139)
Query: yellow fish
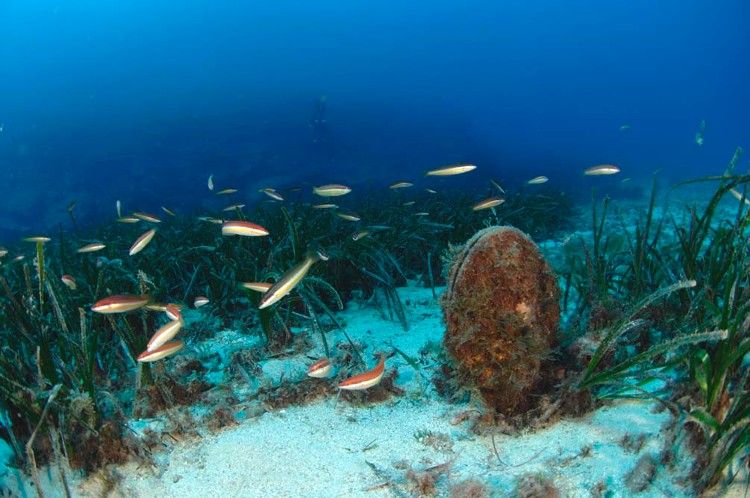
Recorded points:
(453,169)
(331,190)
(289,280)
(487,203)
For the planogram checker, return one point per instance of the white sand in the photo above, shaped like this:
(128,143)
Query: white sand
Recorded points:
(321,451)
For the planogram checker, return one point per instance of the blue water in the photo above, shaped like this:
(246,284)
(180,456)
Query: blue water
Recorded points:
(141,100)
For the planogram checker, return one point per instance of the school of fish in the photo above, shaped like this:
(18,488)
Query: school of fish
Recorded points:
(163,342)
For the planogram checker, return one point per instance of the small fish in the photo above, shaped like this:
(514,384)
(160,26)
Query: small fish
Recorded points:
(331,190)
(365,380)
(360,235)
(738,195)
(3,251)
(243,228)
(348,216)
(624,127)
(69,282)
(142,241)
(227,191)
(450,170)
(497,186)
(257,286)
(422,213)
(234,207)
(430,191)
(399,185)
(161,352)
(538,180)
(118,208)
(93,247)
(378,228)
(200,301)
(409,203)
(272,194)
(215,221)
(72,206)
(20,257)
(165,334)
(147,217)
(160,307)
(325,206)
(119,304)
(626,180)
(290,279)
(173,311)
(168,211)
(320,369)
(210,182)
(602,169)
(37,239)
(128,219)
(487,203)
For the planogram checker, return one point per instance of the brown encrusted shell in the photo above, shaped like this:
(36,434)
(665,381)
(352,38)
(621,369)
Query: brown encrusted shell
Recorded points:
(502,314)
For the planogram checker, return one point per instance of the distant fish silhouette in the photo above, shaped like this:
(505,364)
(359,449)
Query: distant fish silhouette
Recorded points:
(257,286)
(701,131)
(538,180)
(227,191)
(151,218)
(487,203)
(93,247)
(602,169)
(399,185)
(331,190)
(272,194)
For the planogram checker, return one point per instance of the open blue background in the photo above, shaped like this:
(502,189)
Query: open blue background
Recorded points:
(141,100)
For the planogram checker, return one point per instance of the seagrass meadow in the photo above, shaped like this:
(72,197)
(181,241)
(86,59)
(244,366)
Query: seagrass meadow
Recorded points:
(653,316)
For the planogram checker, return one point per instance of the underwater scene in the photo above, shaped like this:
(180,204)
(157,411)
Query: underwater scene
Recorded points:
(374,249)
